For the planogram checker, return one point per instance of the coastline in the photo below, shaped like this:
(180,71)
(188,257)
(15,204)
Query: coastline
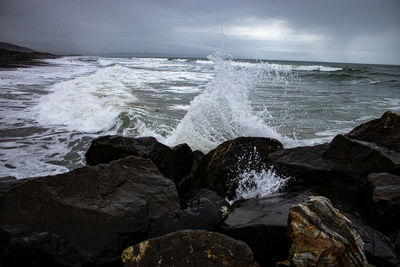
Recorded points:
(136,196)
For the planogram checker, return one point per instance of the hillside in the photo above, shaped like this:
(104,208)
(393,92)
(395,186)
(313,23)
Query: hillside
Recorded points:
(14,56)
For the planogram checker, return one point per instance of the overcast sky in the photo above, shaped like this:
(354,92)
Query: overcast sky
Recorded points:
(365,31)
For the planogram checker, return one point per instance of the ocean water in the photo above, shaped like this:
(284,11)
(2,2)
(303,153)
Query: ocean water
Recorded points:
(49,114)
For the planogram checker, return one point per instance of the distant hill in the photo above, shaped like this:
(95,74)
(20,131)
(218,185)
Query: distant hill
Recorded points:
(14,56)
(15,48)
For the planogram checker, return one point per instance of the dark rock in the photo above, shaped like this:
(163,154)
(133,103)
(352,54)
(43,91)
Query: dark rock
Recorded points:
(6,183)
(174,163)
(384,132)
(189,248)
(4,243)
(384,195)
(218,201)
(221,167)
(362,157)
(201,214)
(397,241)
(308,166)
(87,215)
(321,236)
(377,246)
(261,224)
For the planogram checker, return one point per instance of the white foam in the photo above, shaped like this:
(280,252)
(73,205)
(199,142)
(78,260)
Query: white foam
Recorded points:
(90,103)
(317,68)
(223,111)
(253,184)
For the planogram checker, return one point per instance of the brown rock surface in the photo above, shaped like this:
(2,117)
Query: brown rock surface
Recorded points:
(189,248)
(321,236)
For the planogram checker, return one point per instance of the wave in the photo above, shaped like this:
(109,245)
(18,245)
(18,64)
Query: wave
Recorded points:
(87,104)
(223,110)
(317,68)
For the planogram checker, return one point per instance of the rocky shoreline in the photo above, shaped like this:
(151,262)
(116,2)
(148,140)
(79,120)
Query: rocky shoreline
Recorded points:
(141,203)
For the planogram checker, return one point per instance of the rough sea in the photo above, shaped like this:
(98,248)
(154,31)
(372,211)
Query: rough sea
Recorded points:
(49,114)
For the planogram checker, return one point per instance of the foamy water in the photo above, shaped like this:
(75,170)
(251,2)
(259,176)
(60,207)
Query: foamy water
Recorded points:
(50,114)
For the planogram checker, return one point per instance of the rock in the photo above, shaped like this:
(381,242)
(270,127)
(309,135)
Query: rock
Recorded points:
(384,195)
(261,224)
(362,157)
(308,166)
(218,201)
(174,163)
(221,167)
(189,248)
(377,246)
(384,132)
(88,215)
(6,183)
(201,214)
(321,236)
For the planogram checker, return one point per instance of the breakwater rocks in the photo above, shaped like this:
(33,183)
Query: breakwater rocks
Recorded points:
(141,203)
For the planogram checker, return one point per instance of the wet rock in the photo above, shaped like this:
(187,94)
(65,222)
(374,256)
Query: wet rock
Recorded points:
(6,183)
(384,195)
(261,224)
(87,215)
(321,236)
(384,132)
(378,247)
(174,163)
(201,214)
(220,168)
(218,201)
(362,157)
(308,166)
(189,248)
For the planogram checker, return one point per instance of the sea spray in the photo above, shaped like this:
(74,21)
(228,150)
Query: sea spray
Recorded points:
(223,110)
(256,182)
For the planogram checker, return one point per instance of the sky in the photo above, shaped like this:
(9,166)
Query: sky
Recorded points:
(359,31)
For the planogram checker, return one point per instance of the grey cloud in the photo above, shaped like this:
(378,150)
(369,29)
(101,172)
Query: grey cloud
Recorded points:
(361,31)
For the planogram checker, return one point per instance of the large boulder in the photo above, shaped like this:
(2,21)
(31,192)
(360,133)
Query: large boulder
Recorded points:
(378,248)
(384,132)
(201,214)
(384,189)
(321,236)
(362,157)
(86,216)
(174,163)
(221,168)
(189,248)
(261,224)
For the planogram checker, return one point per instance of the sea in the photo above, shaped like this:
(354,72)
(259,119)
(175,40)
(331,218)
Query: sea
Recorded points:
(49,114)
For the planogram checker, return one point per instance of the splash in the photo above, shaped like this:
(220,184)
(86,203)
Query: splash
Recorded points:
(258,184)
(223,110)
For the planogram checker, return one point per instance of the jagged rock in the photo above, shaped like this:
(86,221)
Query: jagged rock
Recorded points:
(384,195)
(384,132)
(362,157)
(201,214)
(321,236)
(218,201)
(377,246)
(261,224)
(174,163)
(88,215)
(220,168)
(189,248)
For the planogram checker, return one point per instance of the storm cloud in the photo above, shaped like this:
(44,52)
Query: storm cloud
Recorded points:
(362,31)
